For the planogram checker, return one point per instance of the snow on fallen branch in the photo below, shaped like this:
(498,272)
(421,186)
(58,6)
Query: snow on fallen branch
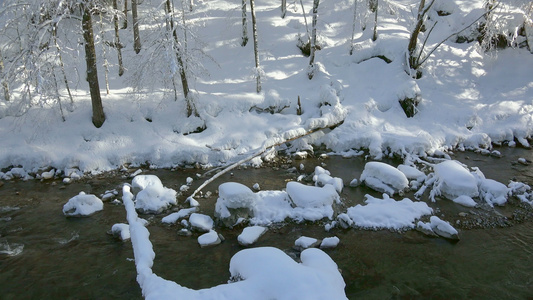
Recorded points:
(264,148)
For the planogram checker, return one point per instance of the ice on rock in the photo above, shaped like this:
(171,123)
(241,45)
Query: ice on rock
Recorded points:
(384,178)
(311,196)
(82,205)
(453,180)
(152,197)
(250,235)
(387,213)
(201,222)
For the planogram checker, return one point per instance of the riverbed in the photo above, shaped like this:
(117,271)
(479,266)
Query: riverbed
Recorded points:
(48,256)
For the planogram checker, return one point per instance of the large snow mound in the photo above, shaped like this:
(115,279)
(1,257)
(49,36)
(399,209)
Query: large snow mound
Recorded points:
(454,180)
(153,197)
(384,178)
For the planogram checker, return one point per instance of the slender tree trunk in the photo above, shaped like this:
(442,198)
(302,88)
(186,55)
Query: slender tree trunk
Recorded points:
(62,66)
(311,72)
(104,55)
(136,37)
(125,22)
(353,25)
(183,75)
(256,54)
(244,39)
(283,8)
(92,73)
(374,8)
(411,48)
(3,77)
(305,21)
(118,45)
(58,97)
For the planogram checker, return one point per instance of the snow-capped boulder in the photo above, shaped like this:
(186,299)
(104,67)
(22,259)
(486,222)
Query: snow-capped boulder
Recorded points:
(387,213)
(121,231)
(210,238)
(201,222)
(305,242)
(493,192)
(323,177)
(152,197)
(82,205)
(250,235)
(453,180)
(384,178)
(329,242)
(311,196)
(235,201)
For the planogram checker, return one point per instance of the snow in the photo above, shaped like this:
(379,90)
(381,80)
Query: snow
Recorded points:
(209,239)
(258,273)
(465,201)
(329,242)
(439,227)
(201,222)
(121,230)
(453,180)
(82,205)
(305,196)
(305,242)
(153,197)
(469,98)
(384,178)
(251,234)
(182,213)
(387,213)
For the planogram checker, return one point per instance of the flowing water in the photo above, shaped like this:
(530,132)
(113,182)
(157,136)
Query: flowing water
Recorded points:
(44,255)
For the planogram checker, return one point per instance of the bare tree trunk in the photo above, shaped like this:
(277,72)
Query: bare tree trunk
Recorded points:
(244,39)
(5,85)
(528,27)
(58,97)
(283,8)
(118,45)
(92,73)
(353,25)
(136,37)
(256,54)
(311,72)
(125,22)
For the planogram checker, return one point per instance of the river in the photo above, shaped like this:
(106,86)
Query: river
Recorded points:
(54,257)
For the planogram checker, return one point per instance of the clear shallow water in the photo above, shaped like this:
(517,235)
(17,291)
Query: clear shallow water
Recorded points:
(71,258)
